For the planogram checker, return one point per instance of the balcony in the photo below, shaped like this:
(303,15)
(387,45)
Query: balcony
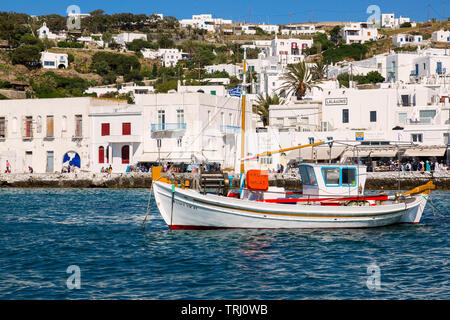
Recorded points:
(421,121)
(167,127)
(228,129)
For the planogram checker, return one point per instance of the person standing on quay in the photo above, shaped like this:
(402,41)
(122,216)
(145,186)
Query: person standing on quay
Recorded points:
(8,167)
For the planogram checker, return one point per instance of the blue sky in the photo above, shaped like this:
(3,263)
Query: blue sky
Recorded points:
(267,11)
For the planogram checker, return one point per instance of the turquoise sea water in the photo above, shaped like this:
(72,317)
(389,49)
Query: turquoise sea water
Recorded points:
(44,231)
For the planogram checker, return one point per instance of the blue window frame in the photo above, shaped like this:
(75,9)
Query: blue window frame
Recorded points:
(348,177)
(331,176)
(307,175)
(339,177)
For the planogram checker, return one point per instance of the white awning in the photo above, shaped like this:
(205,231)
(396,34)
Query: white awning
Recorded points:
(383,153)
(352,153)
(425,152)
(318,153)
(147,157)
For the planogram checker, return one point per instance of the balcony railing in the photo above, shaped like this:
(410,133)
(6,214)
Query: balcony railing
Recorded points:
(421,121)
(168,127)
(228,129)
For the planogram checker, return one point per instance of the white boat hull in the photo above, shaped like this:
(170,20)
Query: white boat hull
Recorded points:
(188,209)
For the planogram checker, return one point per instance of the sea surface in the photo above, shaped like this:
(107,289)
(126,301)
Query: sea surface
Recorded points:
(89,244)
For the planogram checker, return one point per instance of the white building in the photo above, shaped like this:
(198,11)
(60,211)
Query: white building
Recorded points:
(251,28)
(362,67)
(401,40)
(441,36)
(303,29)
(191,128)
(204,22)
(134,89)
(44,134)
(359,32)
(116,136)
(232,69)
(289,51)
(215,90)
(168,57)
(45,33)
(378,118)
(50,60)
(91,40)
(388,20)
(127,37)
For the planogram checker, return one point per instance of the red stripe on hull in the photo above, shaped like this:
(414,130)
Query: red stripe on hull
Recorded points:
(188,227)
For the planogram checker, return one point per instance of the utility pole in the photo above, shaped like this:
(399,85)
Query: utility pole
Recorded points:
(443,11)
(249,15)
(428,16)
(290,15)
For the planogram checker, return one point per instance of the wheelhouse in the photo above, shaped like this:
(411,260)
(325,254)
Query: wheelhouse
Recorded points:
(332,179)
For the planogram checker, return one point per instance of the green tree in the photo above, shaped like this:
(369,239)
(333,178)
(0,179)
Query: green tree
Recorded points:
(28,55)
(165,41)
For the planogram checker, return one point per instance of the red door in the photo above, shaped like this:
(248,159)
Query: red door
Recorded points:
(101,155)
(125,154)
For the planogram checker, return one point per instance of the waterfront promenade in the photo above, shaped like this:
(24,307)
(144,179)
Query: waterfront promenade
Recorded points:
(375,180)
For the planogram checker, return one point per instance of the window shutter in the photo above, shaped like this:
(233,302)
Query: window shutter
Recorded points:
(126,128)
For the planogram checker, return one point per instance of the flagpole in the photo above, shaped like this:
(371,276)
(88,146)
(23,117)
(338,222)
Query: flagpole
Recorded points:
(244,83)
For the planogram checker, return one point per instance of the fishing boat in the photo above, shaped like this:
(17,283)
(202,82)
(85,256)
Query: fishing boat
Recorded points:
(332,197)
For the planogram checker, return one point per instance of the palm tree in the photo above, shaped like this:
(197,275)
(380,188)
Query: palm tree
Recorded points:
(298,79)
(320,69)
(262,105)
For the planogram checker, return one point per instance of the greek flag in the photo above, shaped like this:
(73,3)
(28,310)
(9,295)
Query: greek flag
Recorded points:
(235,92)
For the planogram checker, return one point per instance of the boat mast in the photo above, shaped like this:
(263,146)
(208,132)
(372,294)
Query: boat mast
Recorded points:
(244,84)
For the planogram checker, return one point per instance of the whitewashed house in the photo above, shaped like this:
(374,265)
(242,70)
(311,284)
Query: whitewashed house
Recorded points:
(204,22)
(45,134)
(232,69)
(441,36)
(359,32)
(50,60)
(168,57)
(116,136)
(45,33)
(401,40)
(388,20)
(127,37)
(191,128)
(303,29)
(289,51)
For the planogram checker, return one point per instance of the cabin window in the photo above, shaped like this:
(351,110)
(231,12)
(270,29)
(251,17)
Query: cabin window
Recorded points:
(331,176)
(349,176)
(307,175)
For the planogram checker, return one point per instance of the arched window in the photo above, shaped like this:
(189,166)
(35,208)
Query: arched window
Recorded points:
(125,154)
(101,155)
